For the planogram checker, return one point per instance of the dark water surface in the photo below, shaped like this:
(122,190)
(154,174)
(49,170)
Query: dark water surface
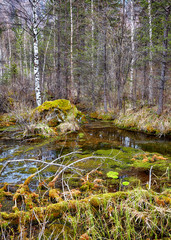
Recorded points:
(91,137)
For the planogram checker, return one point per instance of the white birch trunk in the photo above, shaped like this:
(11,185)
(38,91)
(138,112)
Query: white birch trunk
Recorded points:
(36,55)
(150,55)
(71,53)
(132,51)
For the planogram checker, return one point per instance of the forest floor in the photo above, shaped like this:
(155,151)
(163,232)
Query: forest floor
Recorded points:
(94,204)
(86,212)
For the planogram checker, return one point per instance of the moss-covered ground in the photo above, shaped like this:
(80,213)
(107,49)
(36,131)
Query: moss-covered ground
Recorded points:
(80,199)
(93,205)
(90,212)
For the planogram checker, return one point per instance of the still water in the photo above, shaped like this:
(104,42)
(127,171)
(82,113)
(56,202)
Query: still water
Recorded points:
(91,137)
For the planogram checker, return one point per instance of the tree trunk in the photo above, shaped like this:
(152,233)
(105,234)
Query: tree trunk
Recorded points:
(44,62)
(132,53)
(144,84)
(10,50)
(25,53)
(92,54)
(105,70)
(30,61)
(1,62)
(21,63)
(66,71)
(36,54)
(71,55)
(150,100)
(163,63)
(59,54)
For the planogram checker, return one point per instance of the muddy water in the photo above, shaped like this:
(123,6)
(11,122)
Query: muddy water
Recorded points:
(91,137)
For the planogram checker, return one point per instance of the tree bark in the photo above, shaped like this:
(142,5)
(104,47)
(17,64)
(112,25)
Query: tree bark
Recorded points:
(150,100)
(92,54)
(71,55)
(132,53)
(66,64)
(164,61)
(105,69)
(59,52)
(36,53)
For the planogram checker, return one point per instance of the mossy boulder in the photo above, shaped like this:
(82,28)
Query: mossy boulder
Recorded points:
(58,113)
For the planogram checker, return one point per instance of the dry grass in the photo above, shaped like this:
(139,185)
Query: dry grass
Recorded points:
(146,120)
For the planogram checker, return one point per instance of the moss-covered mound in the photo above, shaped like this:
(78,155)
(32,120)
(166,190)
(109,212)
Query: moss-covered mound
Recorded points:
(135,214)
(60,114)
(55,112)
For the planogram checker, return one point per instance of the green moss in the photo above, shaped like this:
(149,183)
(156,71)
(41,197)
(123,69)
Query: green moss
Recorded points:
(118,157)
(146,160)
(32,170)
(61,104)
(81,135)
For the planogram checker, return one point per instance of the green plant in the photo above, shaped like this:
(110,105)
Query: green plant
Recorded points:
(113,174)
(125,183)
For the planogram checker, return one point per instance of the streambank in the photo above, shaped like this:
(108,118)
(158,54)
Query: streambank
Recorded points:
(144,120)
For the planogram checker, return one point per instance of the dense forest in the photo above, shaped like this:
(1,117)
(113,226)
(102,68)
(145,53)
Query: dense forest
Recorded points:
(85,124)
(102,53)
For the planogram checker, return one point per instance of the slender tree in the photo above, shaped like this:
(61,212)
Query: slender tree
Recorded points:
(71,54)
(150,55)
(132,53)
(162,82)
(36,53)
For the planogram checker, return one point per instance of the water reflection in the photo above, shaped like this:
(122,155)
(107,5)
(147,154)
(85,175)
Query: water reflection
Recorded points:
(95,136)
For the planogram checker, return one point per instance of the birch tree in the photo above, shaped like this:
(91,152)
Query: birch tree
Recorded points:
(36,53)
(27,13)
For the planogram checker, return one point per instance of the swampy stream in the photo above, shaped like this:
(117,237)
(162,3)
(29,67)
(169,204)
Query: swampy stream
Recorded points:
(92,137)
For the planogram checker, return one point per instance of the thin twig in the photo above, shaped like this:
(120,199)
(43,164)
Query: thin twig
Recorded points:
(77,161)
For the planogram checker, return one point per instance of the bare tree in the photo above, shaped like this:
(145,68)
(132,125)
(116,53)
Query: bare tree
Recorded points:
(151,55)
(164,56)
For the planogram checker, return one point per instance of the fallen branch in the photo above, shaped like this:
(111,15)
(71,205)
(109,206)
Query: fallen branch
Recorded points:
(77,161)
(38,161)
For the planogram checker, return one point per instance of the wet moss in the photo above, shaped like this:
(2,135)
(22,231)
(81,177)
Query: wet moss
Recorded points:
(101,116)
(54,194)
(146,160)
(32,170)
(61,104)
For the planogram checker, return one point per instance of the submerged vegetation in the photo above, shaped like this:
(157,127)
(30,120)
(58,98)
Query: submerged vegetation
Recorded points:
(111,192)
(81,201)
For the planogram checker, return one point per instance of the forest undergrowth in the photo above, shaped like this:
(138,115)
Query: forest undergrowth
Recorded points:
(73,204)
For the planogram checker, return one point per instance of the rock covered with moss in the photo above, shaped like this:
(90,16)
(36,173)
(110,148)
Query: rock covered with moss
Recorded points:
(60,114)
